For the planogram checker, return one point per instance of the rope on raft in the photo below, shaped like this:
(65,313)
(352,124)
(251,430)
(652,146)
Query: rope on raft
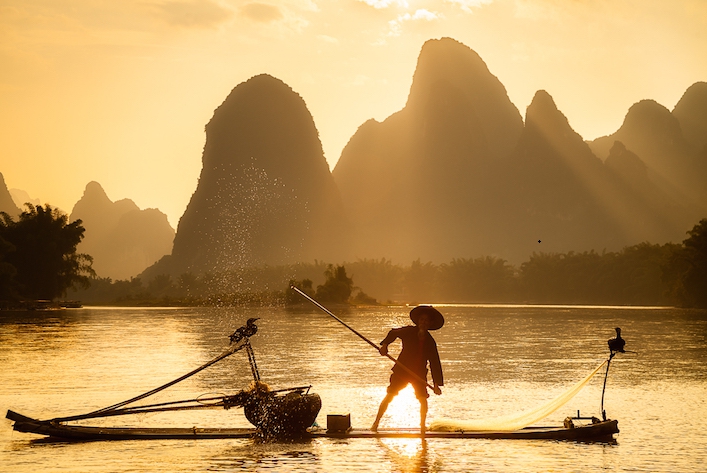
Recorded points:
(221,401)
(516,421)
(115,408)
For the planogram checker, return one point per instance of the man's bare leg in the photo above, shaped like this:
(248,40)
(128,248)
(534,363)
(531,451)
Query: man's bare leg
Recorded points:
(423,415)
(381,410)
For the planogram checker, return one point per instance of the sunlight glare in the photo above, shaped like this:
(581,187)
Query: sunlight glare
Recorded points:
(403,411)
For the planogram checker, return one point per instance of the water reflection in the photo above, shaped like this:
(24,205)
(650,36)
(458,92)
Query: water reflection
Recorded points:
(253,455)
(409,455)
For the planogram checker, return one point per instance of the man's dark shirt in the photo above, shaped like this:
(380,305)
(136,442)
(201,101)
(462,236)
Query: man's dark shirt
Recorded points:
(414,356)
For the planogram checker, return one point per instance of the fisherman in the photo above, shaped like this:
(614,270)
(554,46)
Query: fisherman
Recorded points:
(419,348)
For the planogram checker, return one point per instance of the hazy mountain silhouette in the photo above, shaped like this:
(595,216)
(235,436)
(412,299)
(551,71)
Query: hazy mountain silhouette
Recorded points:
(122,239)
(21,197)
(555,187)
(652,132)
(265,194)
(573,201)
(691,112)
(456,173)
(421,183)
(7,205)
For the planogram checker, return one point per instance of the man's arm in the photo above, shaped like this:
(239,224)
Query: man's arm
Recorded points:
(390,338)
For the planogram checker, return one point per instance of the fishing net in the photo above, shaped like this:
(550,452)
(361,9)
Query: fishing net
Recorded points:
(516,421)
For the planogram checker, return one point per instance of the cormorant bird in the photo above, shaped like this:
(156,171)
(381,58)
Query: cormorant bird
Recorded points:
(248,330)
(617,344)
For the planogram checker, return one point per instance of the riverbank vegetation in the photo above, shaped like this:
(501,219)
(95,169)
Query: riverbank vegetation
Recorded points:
(38,260)
(642,274)
(38,256)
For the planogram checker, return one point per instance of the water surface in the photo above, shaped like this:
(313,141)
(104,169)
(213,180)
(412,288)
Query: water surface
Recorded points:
(497,360)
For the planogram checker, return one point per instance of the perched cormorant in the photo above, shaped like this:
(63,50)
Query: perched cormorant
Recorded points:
(617,344)
(248,330)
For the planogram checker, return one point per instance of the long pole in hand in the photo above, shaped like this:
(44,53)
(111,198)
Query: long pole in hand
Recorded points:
(306,296)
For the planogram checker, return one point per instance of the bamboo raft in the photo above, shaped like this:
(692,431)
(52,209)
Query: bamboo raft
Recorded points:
(597,432)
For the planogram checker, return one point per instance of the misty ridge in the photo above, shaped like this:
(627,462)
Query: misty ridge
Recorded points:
(121,238)
(458,175)
(7,203)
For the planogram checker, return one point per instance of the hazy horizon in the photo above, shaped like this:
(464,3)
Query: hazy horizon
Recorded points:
(85,86)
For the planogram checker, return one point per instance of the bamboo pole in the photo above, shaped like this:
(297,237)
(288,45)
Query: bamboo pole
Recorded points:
(327,311)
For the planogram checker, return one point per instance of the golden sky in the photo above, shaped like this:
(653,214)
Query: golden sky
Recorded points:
(119,91)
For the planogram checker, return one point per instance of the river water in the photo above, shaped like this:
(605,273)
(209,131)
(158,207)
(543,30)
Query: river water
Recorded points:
(497,360)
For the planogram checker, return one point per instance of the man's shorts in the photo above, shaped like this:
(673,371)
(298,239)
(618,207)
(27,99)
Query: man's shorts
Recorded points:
(399,381)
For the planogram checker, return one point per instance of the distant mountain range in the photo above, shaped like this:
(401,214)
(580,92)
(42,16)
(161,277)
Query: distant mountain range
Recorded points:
(122,239)
(457,173)
(7,204)
(22,197)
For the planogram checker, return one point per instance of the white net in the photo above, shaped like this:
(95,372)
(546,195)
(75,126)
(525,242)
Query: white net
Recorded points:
(509,423)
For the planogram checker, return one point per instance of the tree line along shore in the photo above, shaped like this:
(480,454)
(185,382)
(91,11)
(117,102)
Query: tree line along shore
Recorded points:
(39,261)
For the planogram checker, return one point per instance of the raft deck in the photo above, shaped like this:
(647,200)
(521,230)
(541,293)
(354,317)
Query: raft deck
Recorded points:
(602,431)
